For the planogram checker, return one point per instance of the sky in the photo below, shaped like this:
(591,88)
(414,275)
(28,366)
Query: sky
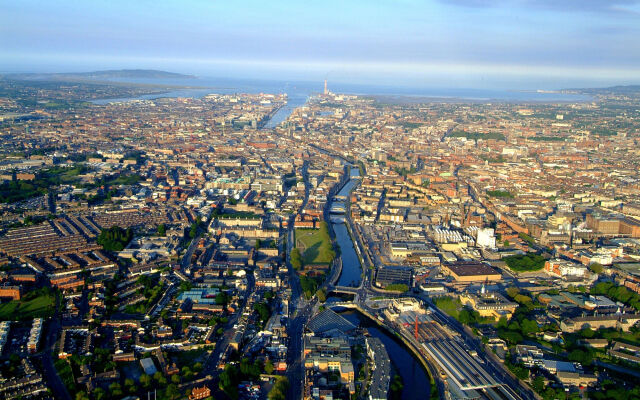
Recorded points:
(519,44)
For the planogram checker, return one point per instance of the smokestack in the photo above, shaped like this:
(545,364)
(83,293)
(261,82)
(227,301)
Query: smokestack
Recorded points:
(325,87)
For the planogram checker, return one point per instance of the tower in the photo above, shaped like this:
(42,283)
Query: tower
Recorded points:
(325,87)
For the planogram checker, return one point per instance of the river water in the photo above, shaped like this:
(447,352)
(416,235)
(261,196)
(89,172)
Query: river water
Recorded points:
(414,378)
(351,268)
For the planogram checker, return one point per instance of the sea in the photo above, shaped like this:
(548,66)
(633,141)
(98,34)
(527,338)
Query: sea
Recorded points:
(299,91)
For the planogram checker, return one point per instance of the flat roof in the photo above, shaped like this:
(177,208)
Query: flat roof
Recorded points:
(470,269)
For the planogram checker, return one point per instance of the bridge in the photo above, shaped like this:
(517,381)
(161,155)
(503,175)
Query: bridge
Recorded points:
(341,304)
(343,289)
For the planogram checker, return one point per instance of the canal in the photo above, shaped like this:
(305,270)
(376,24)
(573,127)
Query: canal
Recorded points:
(416,383)
(351,269)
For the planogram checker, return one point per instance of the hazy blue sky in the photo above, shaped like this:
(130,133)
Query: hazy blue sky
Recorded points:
(456,43)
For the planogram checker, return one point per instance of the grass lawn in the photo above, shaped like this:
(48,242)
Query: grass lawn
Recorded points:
(315,246)
(449,305)
(41,306)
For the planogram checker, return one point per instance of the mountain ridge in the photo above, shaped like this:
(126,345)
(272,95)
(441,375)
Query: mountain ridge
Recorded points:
(104,74)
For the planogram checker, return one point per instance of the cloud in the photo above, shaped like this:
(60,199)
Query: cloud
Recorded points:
(597,6)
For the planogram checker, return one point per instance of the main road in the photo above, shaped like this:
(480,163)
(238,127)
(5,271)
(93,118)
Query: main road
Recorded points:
(300,309)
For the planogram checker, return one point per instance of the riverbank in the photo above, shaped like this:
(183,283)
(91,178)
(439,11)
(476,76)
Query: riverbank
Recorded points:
(416,376)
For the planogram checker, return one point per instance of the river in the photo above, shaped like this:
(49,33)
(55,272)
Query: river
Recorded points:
(351,268)
(414,378)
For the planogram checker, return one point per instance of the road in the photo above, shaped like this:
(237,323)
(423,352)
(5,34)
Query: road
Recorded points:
(298,306)
(211,364)
(49,371)
(186,259)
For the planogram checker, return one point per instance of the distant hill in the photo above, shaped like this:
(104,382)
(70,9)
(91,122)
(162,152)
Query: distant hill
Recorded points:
(109,74)
(628,90)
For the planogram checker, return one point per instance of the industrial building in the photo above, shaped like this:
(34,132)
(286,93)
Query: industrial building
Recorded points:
(471,272)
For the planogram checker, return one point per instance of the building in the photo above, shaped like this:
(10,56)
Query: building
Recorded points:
(34,335)
(617,321)
(576,378)
(626,352)
(565,268)
(471,272)
(386,276)
(148,366)
(489,304)
(4,333)
(339,364)
(12,292)
(200,393)
(486,238)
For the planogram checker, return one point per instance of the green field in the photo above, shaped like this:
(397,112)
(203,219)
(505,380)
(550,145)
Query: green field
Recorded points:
(449,305)
(40,306)
(315,246)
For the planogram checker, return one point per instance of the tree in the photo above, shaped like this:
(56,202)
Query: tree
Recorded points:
(193,231)
(512,291)
(162,230)
(296,259)
(186,372)
(322,297)
(172,391)
(82,396)
(263,311)
(145,381)
(538,384)
(115,389)
(525,262)
(130,384)
(229,378)
(583,357)
(115,238)
(506,243)
(268,367)
(158,377)
(596,268)
(222,298)
(279,389)
(175,378)
(522,299)
(465,317)
(529,326)
(587,333)
(258,243)
(395,388)
(185,286)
